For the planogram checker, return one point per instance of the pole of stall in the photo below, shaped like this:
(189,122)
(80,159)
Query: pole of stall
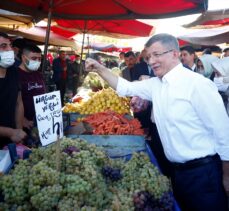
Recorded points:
(88,44)
(81,54)
(47,35)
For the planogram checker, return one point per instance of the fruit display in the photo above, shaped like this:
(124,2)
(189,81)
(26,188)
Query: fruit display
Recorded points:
(93,81)
(106,99)
(87,179)
(111,123)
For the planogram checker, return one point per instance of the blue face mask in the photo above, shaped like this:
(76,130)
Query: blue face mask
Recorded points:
(33,65)
(6,58)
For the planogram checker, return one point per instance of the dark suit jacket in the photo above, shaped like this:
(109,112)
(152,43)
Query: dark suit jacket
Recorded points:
(141,69)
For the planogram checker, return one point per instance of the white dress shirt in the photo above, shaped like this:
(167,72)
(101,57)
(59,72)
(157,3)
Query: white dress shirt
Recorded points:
(189,112)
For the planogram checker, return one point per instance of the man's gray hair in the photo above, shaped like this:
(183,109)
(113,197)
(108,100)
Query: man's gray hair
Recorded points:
(167,40)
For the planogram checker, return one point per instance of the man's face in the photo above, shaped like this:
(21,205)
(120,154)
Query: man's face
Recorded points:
(63,55)
(226,54)
(187,58)
(161,59)
(30,56)
(5,44)
(130,61)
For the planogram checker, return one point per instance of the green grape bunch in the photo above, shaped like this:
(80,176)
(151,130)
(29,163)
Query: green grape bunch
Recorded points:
(87,179)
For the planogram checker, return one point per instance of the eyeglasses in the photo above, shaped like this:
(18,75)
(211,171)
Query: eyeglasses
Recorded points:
(157,55)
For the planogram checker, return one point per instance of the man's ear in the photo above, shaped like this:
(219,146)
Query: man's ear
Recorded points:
(176,54)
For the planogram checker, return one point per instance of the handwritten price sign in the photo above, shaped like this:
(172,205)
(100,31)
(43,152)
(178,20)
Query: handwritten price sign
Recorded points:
(49,117)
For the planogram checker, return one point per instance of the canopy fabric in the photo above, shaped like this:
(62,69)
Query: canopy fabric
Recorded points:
(14,20)
(106,9)
(108,47)
(62,32)
(208,36)
(211,19)
(111,28)
(38,34)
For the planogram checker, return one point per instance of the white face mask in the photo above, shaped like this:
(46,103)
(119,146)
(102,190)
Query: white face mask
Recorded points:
(33,65)
(220,84)
(6,58)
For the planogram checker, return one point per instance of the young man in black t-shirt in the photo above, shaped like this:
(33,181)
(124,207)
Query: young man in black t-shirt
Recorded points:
(11,107)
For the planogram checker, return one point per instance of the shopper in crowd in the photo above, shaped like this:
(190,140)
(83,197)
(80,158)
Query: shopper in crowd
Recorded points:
(130,60)
(194,136)
(221,79)
(207,51)
(31,82)
(204,65)
(122,63)
(188,57)
(226,52)
(11,106)
(74,72)
(60,72)
(18,44)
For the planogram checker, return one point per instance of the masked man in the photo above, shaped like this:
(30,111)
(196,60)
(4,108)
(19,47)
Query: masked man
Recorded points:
(31,81)
(11,106)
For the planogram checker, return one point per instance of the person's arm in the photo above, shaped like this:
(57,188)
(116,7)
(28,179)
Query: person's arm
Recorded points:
(19,114)
(93,66)
(15,135)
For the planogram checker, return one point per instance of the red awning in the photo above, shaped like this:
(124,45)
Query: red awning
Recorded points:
(106,9)
(62,32)
(112,28)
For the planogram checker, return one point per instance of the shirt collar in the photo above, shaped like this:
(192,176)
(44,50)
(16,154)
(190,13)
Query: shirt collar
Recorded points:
(173,74)
(193,67)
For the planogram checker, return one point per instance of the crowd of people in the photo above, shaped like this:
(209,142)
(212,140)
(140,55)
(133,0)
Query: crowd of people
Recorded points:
(178,97)
(21,79)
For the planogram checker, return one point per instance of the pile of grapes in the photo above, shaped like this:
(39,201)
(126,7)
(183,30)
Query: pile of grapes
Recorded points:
(76,175)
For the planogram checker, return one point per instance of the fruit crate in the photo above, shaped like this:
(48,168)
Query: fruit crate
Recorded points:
(122,146)
(115,145)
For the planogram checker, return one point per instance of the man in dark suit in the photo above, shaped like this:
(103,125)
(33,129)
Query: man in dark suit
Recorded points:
(60,73)
(130,60)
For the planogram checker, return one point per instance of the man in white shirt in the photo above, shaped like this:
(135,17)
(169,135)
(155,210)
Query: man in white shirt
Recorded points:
(192,123)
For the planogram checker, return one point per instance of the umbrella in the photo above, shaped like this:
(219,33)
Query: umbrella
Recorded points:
(209,19)
(212,36)
(111,28)
(106,9)
(38,34)
(108,47)
(103,9)
(14,20)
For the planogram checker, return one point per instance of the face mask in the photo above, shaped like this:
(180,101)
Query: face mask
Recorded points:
(6,58)
(220,84)
(33,65)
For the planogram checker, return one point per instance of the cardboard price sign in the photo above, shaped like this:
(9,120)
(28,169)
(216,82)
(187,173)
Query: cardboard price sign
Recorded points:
(49,117)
